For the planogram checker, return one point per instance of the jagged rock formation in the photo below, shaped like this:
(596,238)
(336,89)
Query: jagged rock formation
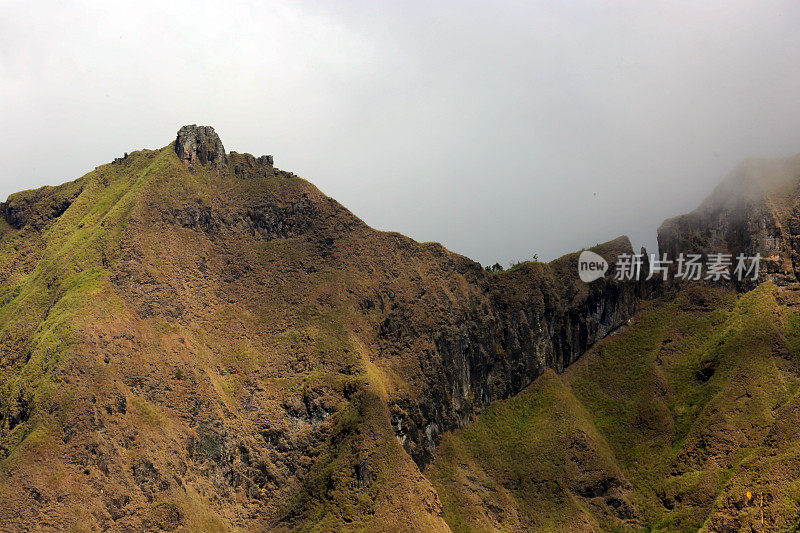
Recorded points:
(536,317)
(189,338)
(685,421)
(756,209)
(199,143)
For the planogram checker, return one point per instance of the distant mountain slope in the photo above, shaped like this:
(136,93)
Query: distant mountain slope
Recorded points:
(684,421)
(666,426)
(756,209)
(193,338)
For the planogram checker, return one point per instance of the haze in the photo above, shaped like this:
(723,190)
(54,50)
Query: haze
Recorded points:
(501,130)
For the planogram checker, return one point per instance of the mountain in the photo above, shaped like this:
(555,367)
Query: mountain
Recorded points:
(687,419)
(754,210)
(666,426)
(192,338)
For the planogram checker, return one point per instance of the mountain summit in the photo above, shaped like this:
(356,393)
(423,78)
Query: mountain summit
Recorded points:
(199,143)
(754,210)
(194,338)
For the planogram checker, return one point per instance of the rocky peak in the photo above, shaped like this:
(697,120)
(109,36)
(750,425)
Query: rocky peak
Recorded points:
(755,210)
(199,143)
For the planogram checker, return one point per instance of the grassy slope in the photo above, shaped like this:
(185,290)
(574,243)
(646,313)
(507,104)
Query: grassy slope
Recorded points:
(40,315)
(687,448)
(58,292)
(628,437)
(63,290)
(506,472)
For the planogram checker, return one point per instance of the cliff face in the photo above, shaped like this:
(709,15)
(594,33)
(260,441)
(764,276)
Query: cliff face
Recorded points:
(536,317)
(687,420)
(199,144)
(195,338)
(680,422)
(754,210)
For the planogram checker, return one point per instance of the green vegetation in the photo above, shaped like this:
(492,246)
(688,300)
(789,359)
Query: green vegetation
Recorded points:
(113,348)
(148,413)
(506,471)
(494,269)
(684,411)
(328,492)
(498,268)
(45,303)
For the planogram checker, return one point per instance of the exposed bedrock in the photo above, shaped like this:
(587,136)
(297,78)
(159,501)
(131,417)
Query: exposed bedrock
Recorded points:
(199,143)
(755,210)
(538,317)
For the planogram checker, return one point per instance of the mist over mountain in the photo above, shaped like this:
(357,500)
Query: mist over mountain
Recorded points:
(399,267)
(500,130)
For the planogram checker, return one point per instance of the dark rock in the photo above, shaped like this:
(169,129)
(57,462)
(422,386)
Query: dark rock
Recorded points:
(597,487)
(363,475)
(199,143)
(148,478)
(705,372)
(19,412)
(534,324)
(39,207)
(751,212)
(268,221)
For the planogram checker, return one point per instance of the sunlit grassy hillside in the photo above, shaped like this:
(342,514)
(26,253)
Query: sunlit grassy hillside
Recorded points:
(688,419)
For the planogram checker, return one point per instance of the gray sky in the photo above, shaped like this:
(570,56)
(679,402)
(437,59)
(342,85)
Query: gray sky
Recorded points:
(499,129)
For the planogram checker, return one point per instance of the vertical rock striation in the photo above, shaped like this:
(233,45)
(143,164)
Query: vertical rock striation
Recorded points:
(201,144)
(756,209)
(538,316)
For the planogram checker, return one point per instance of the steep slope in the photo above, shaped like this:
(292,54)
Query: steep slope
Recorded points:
(756,209)
(665,426)
(686,420)
(194,338)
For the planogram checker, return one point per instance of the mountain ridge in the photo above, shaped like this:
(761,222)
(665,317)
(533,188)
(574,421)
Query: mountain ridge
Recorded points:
(194,338)
(754,210)
(686,420)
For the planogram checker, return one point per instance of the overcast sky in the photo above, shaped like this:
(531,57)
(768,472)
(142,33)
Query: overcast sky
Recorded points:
(499,129)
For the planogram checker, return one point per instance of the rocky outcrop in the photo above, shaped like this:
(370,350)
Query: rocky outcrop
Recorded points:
(541,316)
(755,210)
(38,208)
(267,222)
(267,350)
(199,144)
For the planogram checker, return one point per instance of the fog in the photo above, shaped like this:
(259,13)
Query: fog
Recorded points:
(500,129)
